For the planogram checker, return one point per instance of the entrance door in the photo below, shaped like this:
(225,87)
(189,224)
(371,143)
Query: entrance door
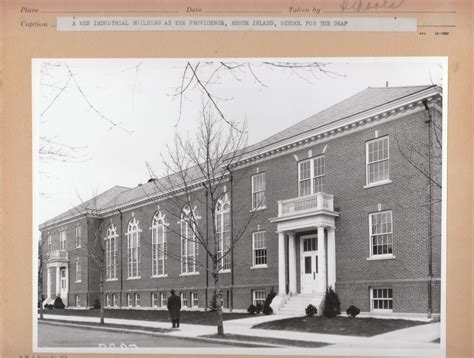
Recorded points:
(309,263)
(63,284)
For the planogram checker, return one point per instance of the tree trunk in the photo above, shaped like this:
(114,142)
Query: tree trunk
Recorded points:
(101,299)
(217,289)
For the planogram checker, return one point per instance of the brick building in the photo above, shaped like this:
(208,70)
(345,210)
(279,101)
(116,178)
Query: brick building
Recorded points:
(347,198)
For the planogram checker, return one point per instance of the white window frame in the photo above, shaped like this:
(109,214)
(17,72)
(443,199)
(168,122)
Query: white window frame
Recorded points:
(78,270)
(256,299)
(262,204)
(77,233)
(189,243)
(111,249)
(312,176)
(155,299)
(388,232)
(184,298)
(129,300)
(114,300)
(368,164)
(133,249)
(382,299)
(223,234)
(254,257)
(163,299)
(50,243)
(194,300)
(159,245)
(62,240)
(107,300)
(77,301)
(136,300)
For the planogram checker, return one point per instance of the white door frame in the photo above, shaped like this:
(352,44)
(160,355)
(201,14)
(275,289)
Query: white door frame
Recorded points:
(305,280)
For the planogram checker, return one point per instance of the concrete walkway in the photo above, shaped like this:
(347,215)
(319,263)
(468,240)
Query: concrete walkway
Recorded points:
(414,339)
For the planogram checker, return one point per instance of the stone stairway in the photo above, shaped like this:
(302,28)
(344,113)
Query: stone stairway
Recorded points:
(295,305)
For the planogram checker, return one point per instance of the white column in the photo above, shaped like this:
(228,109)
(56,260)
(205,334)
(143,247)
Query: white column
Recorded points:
(58,282)
(322,258)
(292,262)
(65,299)
(48,282)
(281,264)
(332,257)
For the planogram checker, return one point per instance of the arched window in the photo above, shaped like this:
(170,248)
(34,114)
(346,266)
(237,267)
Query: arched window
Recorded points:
(111,248)
(223,234)
(158,243)
(133,248)
(189,242)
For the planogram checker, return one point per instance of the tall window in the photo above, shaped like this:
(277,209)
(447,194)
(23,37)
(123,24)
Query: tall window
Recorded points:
(111,248)
(78,270)
(50,243)
(223,233)
(381,233)
(136,300)
(259,248)
(189,242)
(114,300)
(129,300)
(159,246)
(107,300)
(259,296)
(154,299)
(133,245)
(258,191)
(163,299)
(194,300)
(311,176)
(184,299)
(77,301)
(78,236)
(377,156)
(381,299)
(62,240)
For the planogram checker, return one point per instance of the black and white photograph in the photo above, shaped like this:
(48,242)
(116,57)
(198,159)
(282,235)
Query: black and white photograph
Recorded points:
(274,206)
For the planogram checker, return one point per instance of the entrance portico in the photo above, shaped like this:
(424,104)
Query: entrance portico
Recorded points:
(57,276)
(308,223)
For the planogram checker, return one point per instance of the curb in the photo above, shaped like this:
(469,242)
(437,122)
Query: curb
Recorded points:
(160,334)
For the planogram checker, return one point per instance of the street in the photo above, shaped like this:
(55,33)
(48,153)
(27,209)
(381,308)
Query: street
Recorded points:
(50,335)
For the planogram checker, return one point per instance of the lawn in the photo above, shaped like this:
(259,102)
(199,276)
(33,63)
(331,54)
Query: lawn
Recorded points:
(193,317)
(269,340)
(364,327)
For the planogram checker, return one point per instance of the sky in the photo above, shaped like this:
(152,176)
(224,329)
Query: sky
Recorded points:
(140,96)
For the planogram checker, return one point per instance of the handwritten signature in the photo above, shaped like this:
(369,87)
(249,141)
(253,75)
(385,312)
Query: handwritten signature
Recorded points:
(360,5)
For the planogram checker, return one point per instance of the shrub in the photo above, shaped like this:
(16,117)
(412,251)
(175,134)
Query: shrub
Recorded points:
(332,305)
(311,310)
(252,309)
(58,303)
(96,303)
(48,306)
(352,311)
(259,308)
(267,309)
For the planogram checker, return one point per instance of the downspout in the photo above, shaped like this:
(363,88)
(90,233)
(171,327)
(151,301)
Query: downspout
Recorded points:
(121,256)
(207,248)
(88,262)
(231,305)
(430,204)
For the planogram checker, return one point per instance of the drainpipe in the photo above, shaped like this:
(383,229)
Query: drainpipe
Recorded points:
(231,305)
(429,121)
(121,257)
(88,262)
(207,247)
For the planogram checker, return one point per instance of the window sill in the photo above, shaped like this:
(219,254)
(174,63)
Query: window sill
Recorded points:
(190,274)
(111,279)
(225,271)
(381,257)
(159,276)
(258,209)
(258,267)
(134,278)
(378,184)
(78,281)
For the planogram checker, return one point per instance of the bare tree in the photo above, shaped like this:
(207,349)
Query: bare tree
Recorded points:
(199,180)
(43,257)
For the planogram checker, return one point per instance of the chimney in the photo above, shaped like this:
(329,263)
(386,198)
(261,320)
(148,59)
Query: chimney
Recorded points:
(386,83)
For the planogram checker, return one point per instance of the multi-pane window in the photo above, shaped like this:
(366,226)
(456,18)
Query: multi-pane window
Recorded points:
(258,191)
(259,296)
(184,299)
(62,240)
(377,157)
(159,245)
(107,300)
(111,248)
(50,243)
(189,242)
(114,300)
(78,236)
(194,299)
(78,270)
(311,176)
(133,245)
(259,248)
(381,299)
(77,300)
(381,234)
(223,234)
(136,300)
(129,300)
(154,299)
(163,299)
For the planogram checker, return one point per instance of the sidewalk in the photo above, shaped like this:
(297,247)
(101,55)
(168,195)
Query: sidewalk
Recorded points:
(413,338)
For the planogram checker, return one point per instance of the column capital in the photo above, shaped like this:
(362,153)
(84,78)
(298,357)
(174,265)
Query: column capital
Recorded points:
(330,228)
